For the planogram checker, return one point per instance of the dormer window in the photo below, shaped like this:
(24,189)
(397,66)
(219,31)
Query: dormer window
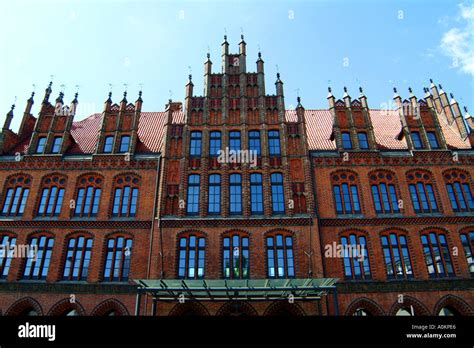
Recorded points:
(41,145)
(415,137)
(57,145)
(363,141)
(124,143)
(433,140)
(346,141)
(108,144)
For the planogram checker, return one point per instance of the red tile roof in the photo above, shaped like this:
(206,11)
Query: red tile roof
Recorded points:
(386,124)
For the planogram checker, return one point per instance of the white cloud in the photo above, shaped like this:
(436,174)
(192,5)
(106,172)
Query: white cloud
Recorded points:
(458,43)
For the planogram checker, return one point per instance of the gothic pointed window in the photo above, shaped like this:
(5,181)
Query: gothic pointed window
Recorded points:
(384,192)
(78,257)
(118,257)
(8,244)
(235,256)
(39,257)
(346,193)
(16,191)
(280,257)
(52,195)
(458,185)
(422,192)
(437,255)
(191,253)
(467,240)
(88,192)
(396,256)
(355,256)
(126,190)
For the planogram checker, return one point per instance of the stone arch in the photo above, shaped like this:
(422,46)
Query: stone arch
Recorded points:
(284,308)
(455,303)
(236,308)
(109,305)
(190,308)
(364,303)
(420,308)
(63,306)
(20,306)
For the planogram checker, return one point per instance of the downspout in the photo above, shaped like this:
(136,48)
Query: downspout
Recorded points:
(313,176)
(155,200)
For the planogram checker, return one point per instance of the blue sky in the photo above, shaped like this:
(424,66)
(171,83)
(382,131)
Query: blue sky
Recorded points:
(375,44)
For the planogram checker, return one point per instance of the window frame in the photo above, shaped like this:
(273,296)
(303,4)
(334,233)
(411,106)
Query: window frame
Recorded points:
(195,186)
(199,252)
(119,255)
(256,190)
(229,253)
(443,252)
(392,251)
(42,260)
(273,256)
(81,255)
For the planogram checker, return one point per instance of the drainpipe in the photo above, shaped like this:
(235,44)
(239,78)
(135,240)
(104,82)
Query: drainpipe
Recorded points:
(155,203)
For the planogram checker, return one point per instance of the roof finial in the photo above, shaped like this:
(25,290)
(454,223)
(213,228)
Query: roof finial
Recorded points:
(298,99)
(278,75)
(465,109)
(190,77)
(394,89)
(451,95)
(440,87)
(431,80)
(329,90)
(345,89)
(208,55)
(410,90)
(360,90)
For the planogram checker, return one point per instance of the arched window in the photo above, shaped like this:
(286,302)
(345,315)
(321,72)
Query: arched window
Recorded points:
(192,253)
(16,191)
(346,193)
(467,240)
(117,262)
(193,194)
(196,144)
(235,256)
(88,195)
(52,195)
(437,255)
(256,193)
(234,141)
(397,256)
(235,194)
(384,192)
(214,194)
(7,243)
(215,143)
(422,192)
(254,142)
(459,191)
(274,143)
(125,195)
(39,257)
(280,258)
(278,197)
(356,257)
(78,256)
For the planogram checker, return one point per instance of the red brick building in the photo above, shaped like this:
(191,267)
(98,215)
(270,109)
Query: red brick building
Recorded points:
(233,188)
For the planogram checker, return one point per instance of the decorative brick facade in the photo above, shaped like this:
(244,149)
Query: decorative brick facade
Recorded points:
(127,181)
